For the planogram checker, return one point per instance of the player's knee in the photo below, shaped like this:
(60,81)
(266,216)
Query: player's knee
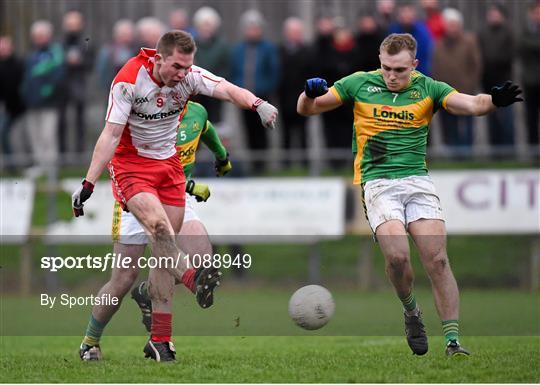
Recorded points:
(397,261)
(160,230)
(437,264)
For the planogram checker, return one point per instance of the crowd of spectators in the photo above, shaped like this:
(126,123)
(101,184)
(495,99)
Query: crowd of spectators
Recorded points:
(48,85)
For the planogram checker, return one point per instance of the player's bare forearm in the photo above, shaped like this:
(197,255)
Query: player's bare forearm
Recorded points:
(482,105)
(229,92)
(307,106)
(469,105)
(104,150)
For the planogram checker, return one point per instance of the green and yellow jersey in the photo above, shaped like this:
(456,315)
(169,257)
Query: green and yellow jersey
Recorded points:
(390,128)
(194,126)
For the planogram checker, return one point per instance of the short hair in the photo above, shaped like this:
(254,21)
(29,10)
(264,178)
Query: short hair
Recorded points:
(397,42)
(180,40)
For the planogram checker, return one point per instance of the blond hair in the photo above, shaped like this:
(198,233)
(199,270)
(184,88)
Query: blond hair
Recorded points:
(397,42)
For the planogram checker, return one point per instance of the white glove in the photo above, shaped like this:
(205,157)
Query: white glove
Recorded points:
(268,114)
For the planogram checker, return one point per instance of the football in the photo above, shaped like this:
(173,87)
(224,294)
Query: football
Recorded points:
(311,307)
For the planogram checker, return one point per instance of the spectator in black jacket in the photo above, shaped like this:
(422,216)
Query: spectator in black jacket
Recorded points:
(369,37)
(296,62)
(11,105)
(78,64)
(529,51)
(341,61)
(498,51)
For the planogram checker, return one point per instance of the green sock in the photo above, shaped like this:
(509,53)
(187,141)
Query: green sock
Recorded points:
(93,332)
(409,302)
(450,330)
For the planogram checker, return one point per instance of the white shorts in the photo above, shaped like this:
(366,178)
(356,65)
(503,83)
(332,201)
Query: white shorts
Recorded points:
(405,199)
(126,228)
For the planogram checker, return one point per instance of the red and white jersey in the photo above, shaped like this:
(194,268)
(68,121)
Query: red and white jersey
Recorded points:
(149,110)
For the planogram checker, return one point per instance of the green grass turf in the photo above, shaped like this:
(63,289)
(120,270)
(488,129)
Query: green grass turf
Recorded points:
(241,311)
(272,359)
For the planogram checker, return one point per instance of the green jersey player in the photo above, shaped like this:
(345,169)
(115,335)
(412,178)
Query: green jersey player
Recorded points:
(129,236)
(393,107)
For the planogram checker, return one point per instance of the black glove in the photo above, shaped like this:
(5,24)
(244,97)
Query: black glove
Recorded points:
(315,87)
(222,166)
(80,196)
(200,191)
(504,95)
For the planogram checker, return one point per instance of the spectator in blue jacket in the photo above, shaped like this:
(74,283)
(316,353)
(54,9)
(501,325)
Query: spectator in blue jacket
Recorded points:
(255,66)
(41,83)
(408,22)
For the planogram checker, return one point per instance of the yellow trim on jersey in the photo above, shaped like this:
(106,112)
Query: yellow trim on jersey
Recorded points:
(117,221)
(336,94)
(372,119)
(443,104)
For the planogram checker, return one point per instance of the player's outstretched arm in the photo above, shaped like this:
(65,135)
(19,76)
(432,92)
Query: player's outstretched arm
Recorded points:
(500,96)
(247,100)
(103,153)
(316,99)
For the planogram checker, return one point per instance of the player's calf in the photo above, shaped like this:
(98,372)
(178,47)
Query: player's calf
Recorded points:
(141,297)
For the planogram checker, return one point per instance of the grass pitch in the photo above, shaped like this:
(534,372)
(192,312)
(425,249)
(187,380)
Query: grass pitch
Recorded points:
(272,359)
(362,343)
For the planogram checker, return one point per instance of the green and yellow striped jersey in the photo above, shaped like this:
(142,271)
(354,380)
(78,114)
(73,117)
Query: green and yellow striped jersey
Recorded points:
(195,126)
(390,128)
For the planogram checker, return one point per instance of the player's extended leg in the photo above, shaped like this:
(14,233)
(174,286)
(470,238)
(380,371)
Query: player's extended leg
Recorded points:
(118,285)
(430,238)
(392,238)
(194,240)
(151,214)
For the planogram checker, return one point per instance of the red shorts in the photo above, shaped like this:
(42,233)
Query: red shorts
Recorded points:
(132,174)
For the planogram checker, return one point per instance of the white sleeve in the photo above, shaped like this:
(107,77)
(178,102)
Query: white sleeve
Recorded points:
(203,81)
(120,103)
